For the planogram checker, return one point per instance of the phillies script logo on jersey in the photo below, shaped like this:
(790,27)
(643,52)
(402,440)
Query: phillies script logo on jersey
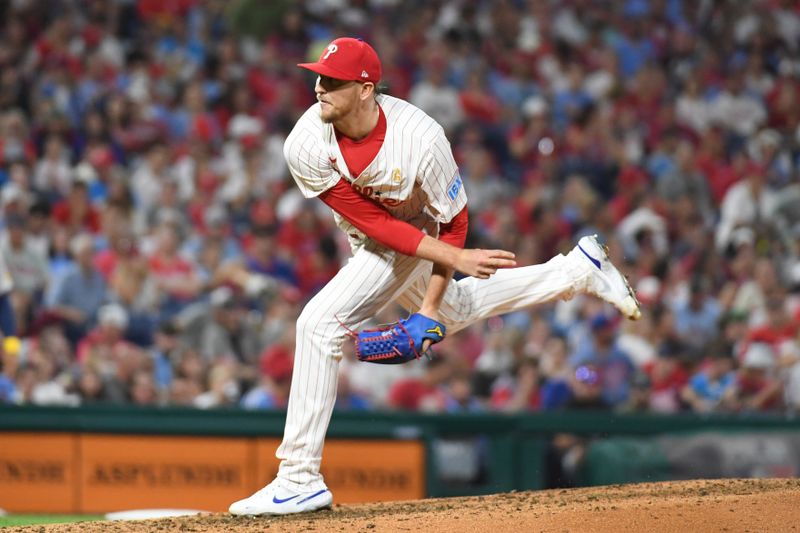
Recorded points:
(376,192)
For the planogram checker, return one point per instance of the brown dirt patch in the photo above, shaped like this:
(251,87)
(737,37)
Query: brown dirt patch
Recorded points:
(736,505)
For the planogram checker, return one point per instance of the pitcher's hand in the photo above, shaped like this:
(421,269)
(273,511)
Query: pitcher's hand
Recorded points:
(483,263)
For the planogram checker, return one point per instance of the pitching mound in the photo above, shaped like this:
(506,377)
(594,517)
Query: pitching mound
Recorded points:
(690,506)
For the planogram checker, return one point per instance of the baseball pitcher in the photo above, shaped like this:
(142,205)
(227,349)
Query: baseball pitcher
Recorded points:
(387,171)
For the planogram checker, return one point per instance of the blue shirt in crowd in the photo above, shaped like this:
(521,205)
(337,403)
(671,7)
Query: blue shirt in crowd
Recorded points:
(7,389)
(83,292)
(614,368)
(711,391)
(697,326)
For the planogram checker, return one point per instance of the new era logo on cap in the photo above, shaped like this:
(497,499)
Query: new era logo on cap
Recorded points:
(347,58)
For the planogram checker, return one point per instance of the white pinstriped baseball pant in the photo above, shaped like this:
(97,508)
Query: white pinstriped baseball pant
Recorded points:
(372,279)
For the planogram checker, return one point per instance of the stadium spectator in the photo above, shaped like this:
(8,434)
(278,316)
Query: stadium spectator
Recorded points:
(276,363)
(225,332)
(81,292)
(667,378)
(348,399)
(735,109)
(175,277)
(214,229)
(90,387)
(433,95)
(264,258)
(532,139)
(52,175)
(104,347)
(76,211)
(189,380)
(714,387)
(143,389)
(165,354)
(426,393)
(777,327)
(223,388)
(601,355)
(639,396)
(520,392)
(40,227)
(748,203)
(696,319)
(28,271)
(149,177)
(757,389)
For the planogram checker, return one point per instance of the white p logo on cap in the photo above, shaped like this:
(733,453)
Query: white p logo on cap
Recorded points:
(332,48)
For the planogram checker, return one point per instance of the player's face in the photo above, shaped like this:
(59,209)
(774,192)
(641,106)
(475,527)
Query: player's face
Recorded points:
(337,97)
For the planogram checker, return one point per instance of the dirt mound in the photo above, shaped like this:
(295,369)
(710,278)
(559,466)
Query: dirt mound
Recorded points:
(735,505)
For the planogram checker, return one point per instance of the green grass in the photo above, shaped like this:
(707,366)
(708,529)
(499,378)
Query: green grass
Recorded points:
(30,519)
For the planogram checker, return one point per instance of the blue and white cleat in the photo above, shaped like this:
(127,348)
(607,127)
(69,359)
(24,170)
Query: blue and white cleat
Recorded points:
(274,499)
(605,281)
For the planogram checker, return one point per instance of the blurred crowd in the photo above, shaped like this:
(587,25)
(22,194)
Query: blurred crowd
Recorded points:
(160,252)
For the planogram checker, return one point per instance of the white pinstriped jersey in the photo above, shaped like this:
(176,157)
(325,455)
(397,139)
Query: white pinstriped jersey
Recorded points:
(414,175)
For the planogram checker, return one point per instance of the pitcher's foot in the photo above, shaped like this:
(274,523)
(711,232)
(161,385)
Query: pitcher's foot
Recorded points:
(274,499)
(605,281)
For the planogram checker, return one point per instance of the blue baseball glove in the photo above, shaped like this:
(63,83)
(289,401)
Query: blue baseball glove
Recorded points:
(398,342)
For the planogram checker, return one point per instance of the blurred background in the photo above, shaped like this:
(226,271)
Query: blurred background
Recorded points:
(161,253)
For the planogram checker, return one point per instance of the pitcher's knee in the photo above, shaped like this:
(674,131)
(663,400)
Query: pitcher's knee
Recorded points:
(309,321)
(320,328)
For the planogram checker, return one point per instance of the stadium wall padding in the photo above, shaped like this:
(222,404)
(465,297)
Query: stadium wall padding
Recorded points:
(105,458)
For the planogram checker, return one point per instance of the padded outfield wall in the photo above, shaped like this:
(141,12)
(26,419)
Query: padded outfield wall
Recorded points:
(99,459)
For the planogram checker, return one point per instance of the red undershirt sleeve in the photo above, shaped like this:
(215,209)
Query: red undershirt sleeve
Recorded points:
(455,231)
(371,219)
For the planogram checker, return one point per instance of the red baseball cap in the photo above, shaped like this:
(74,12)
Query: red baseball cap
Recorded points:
(349,59)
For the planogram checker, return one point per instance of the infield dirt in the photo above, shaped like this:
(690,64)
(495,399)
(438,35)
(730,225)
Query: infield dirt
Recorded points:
(735,505)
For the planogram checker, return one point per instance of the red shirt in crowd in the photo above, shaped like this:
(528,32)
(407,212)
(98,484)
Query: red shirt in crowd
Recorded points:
(415,395)
(166,268)
(666,382)
(502,395)
(750,386)
(64,214)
